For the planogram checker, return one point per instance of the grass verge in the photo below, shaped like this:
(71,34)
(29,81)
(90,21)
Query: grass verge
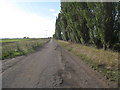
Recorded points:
(22,47)
(105,62)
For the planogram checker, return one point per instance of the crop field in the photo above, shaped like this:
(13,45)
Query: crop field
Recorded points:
(12,40)
(15,47)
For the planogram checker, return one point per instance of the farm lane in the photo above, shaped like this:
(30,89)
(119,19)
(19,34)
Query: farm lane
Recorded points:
(51,66)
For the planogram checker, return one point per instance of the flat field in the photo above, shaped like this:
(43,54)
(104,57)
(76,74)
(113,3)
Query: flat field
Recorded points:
(15,47)
(12,40)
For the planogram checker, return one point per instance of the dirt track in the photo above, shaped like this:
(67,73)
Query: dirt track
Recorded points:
(52,66)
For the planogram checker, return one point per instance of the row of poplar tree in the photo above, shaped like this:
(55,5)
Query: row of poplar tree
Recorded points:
(89,23)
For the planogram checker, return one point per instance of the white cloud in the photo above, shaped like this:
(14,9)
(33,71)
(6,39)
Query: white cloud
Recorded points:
(51,10)
(16,23)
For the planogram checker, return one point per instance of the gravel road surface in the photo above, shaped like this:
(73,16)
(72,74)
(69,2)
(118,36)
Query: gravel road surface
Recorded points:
(50,67)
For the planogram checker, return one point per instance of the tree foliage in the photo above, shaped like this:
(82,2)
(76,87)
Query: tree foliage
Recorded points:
(94,23)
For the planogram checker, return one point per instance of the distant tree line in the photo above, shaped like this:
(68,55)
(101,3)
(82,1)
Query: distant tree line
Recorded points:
(95,23)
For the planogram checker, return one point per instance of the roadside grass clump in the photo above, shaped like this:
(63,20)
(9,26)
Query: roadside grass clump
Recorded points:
(105,62)
(10,50)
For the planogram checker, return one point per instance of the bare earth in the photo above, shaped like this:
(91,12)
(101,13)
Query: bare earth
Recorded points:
(51,67)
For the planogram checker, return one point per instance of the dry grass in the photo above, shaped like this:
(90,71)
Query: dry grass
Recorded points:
(10,50)
(107,58)
(101,60)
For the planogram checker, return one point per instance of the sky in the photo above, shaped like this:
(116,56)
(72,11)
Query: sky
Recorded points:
(28,19)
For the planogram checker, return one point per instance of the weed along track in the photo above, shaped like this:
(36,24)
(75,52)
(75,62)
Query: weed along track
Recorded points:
(51,67)
(13,47)
(104,62)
